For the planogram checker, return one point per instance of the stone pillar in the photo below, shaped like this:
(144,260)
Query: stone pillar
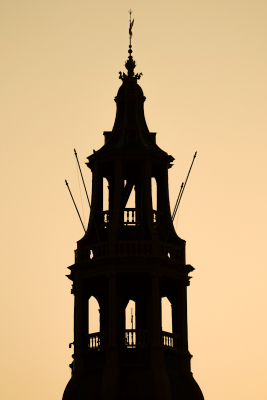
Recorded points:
(163,389)
(80,326)
(184,332)
(96,200)
(179,314)
(117,211)
(109,384)
(112,336)
(148,207)
(156,312)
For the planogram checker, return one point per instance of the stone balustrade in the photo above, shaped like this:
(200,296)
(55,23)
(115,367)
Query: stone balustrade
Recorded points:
(129,248)
(133,248)
(135,338)
(170,340)
(132,216)
(96,341)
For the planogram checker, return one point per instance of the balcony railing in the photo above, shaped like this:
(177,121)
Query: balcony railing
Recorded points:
(96,341)
(173,252)
(157,218)
(170,340)
(129,248)
(107,216)
(132,216)
(135,338)
(90,252)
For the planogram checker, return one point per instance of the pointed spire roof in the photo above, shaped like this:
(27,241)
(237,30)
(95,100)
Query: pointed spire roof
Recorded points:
(130,131)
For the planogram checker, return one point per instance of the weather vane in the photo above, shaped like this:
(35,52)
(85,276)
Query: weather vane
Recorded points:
(131,26)
(130,63)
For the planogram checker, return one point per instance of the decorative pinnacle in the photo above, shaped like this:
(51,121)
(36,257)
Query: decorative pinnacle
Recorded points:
(130,63)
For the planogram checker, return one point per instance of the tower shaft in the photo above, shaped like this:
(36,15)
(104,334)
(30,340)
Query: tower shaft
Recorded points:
(129,253)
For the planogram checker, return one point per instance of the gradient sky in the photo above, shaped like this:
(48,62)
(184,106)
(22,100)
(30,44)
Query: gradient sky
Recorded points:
(204,67)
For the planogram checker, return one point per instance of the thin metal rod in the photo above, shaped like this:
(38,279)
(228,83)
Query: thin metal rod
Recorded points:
(177,201)
(86,194)
(175,209)
(180,196)
(75,205)
(185,183)
(82,177)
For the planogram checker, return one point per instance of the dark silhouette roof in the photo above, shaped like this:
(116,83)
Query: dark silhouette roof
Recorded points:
(130,131)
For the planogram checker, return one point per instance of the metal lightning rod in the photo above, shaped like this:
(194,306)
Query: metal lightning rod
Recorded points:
(177,202)
(180,196)
(75,205)
(174,213)
(86,195)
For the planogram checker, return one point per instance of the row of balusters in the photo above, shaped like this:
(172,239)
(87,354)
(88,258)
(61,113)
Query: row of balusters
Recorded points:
(132,216)
(132,338)
(124,248)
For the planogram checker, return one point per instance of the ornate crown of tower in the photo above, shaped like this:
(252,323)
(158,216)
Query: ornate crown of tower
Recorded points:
(130,254)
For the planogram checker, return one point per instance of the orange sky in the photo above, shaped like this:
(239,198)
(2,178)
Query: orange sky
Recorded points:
(204,67)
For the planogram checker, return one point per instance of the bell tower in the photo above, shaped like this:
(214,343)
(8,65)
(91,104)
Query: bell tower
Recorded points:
(130,253)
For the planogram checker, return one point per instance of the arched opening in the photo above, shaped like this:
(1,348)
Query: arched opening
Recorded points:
(130,324)
(130,315)
(93,315)
(154,194)
(105,195)
(166,315)
(106,214)
(129,194)
(131,214)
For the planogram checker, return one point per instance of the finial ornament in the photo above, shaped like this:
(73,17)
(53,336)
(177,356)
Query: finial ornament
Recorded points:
(131,26)
(130,63)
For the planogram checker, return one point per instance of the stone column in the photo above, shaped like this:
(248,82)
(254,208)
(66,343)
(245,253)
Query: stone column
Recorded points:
(109,384)
(163,389)
(117,210)
(80,326)
(148,207)
(156,312)
(112,337)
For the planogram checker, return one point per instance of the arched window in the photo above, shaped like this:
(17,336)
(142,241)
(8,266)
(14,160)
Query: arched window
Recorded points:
(130,315)
(130,333)
(93,315)
(105,195)
(166,315)
(154,194)
(131,196)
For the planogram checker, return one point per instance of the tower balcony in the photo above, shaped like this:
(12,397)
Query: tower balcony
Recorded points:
(133,338)
(129,248)
(170,340)
(132,217)
(96,341)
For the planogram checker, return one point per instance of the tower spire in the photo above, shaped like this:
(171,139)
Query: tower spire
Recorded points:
(130,63)
(131,261)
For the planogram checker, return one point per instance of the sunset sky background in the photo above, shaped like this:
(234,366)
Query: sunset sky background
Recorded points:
(204,67)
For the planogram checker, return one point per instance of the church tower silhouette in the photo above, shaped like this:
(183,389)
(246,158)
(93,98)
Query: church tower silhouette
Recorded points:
(130,253)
